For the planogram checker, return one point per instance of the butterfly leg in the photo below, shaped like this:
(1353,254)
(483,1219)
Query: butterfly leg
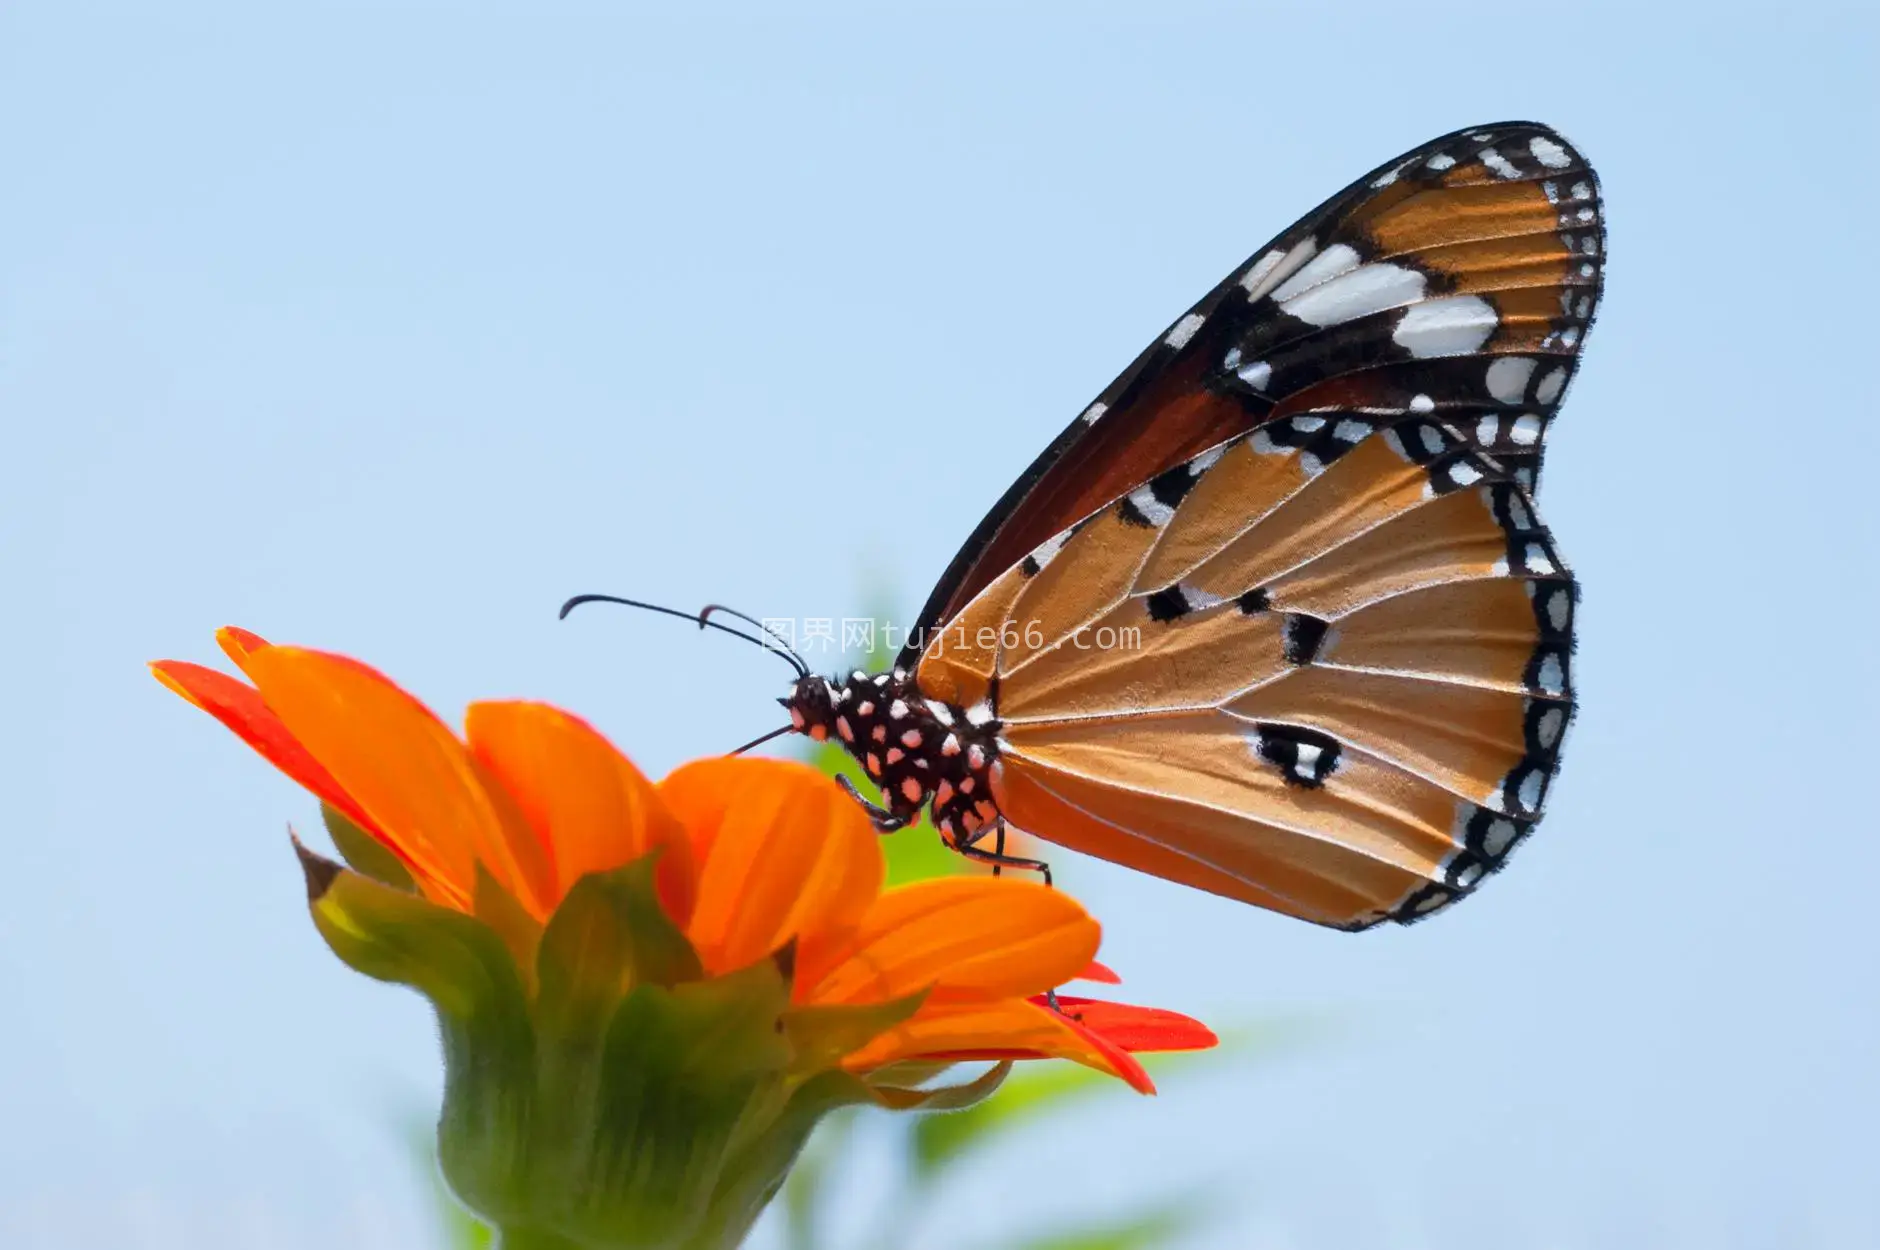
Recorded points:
(999,859)
(884,820)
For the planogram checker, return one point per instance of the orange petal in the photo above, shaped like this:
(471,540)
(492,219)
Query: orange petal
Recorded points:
(404,767)
(782,854)
(983,936)
(586,801)
(1010,1029)
(1138,1029)
(239,706)
(237,643)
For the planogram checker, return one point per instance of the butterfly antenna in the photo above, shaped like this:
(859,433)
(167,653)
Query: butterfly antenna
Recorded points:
(755,742)
(788,656)
(704,619)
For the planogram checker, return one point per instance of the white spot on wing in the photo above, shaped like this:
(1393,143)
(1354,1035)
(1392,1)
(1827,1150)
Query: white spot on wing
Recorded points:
(1206,460)
(1551,677)
(1422,403)
(1526,430)
(1183,330)
(1274,267)
(1559,605)
(1334,260)
(1549,389)
(1508,378)
(1256,375)
(1548,730)
(1356,293)
(1453,326)
(1093,412)
(1441,161)
(1152,509)
(1498,838)
(1350,430)
(1549,153)
(1518,514)
(1498,164)
(1306,766)
(1047,551)
(1487,430)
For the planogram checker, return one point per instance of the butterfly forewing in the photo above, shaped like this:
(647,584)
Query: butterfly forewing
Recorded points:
(1457,281)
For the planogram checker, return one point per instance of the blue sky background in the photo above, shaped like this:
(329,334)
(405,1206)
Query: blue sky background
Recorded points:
(385,327)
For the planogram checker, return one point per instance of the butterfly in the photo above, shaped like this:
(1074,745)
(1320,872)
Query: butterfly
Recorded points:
(1276,616)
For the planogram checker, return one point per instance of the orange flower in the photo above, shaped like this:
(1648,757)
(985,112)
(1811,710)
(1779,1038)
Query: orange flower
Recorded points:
(757,860)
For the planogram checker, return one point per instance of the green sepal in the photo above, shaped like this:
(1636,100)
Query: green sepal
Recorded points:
(630,1129)
(608,935)
(757,1169)
(365,853)
(510,921)
(910,1072)
(728,1025)
(823,1036)
(457,962)
(946,1097)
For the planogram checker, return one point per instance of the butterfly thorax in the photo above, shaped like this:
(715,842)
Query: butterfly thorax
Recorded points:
(920,751)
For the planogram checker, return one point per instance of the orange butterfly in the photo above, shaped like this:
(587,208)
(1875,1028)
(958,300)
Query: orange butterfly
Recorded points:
(1276,617)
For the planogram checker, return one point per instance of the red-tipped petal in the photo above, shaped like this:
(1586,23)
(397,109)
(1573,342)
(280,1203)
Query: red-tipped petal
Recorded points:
(238,643)
(1138,1029)
(1098,972)
(1000,1029)
(406,768)
(239,706)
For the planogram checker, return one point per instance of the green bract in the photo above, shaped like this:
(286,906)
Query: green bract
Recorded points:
(601,1091)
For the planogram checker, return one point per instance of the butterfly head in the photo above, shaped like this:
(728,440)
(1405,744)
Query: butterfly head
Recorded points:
(813,706)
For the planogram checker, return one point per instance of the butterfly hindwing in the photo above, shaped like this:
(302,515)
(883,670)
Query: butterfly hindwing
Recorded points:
(1457,281)
(1323,668)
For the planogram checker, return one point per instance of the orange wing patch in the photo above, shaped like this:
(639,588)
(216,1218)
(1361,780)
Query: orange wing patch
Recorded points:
(1458,281)
(1337,677)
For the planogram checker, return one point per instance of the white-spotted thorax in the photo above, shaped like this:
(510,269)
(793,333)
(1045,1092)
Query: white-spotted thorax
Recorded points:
(920,751)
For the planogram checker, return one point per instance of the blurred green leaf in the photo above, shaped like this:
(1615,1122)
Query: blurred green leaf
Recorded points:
(460,1230)
(939,1139)
(1042,1088)
(803,1191)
